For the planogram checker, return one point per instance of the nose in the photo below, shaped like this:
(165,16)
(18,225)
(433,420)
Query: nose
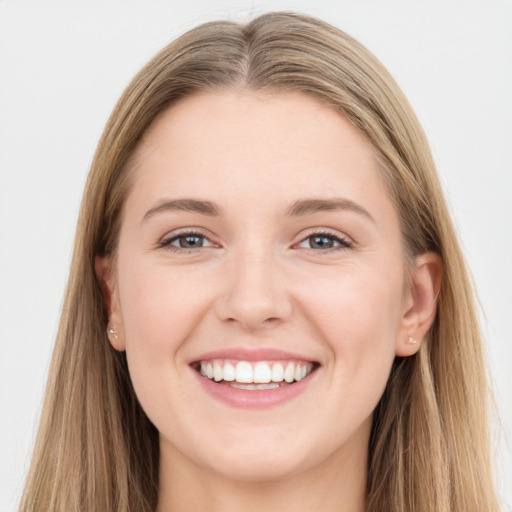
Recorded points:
(254,295)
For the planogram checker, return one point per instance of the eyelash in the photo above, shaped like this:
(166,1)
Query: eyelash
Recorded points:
(166,242)
(344,243)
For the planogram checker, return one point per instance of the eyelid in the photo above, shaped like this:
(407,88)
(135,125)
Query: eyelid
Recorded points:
(165,241)
(344,241)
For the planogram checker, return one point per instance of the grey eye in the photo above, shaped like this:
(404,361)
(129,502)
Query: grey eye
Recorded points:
(324,242)
(190,241)
(187,241)
(321,242)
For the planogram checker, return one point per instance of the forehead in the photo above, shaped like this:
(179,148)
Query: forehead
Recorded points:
(257,146)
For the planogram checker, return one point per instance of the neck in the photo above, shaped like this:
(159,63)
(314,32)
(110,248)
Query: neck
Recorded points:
(337,484)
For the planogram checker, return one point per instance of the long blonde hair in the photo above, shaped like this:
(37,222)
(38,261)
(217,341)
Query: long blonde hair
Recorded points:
(429,448)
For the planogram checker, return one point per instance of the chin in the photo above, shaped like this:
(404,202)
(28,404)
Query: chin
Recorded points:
(258,457)
(258,468)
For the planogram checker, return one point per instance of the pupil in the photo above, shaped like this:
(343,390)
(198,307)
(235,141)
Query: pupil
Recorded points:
(321,242)
(191,241)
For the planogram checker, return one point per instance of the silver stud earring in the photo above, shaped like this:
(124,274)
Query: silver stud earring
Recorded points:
(412,341)
(111,331)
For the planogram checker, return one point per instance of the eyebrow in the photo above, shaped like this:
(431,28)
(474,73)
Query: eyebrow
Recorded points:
(310,206)
(299,208)
(185,205)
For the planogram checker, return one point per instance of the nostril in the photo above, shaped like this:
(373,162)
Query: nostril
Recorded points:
(251,324)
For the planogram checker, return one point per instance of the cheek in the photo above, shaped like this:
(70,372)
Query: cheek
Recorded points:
(356,306)
(357,313)
(160,306)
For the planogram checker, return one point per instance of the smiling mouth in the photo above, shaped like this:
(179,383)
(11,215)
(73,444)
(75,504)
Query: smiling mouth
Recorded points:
(254,375)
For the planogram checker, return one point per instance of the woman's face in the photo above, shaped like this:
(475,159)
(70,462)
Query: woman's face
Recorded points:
(258,242)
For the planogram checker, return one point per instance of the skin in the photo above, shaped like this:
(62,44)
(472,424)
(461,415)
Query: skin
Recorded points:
(258,282)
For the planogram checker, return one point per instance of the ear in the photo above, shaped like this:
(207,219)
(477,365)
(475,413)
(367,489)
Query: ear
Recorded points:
(105,275)
(420,303)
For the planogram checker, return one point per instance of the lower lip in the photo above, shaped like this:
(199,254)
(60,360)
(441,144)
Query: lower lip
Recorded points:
(254,398)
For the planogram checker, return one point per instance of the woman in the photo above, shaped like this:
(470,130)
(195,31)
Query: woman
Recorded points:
(267,307)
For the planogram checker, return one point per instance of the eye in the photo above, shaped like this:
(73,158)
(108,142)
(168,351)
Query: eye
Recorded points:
(325,242)
(186,241)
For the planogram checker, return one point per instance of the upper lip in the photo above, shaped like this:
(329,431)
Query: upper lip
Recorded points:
(244,354)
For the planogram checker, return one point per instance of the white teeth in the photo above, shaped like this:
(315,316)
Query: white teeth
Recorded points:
(262,373)
(277,372)
(271,385)
(244,372)
(218,373)
(229,372)
(289,373)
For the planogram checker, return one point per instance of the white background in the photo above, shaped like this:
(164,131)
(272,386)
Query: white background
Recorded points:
(63,64)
